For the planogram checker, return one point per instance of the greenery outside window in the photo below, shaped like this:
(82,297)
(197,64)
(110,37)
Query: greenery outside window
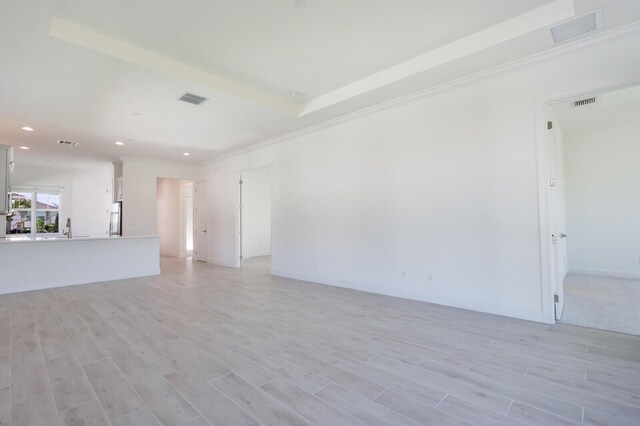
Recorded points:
(43,206)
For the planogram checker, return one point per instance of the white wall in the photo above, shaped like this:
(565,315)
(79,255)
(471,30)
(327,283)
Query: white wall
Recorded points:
(442,188)
(139,204)
(256,213)
(603,203)
(84,197)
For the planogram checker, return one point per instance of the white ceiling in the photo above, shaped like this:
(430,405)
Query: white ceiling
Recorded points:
(278,47)
(95,72)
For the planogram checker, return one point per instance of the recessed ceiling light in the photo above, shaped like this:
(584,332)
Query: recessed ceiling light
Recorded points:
(119,143)
(27,129)
(295,94)
(186,154)
(24,147)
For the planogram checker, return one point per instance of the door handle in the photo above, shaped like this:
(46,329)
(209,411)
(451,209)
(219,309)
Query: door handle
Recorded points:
(205,231)
(563,235)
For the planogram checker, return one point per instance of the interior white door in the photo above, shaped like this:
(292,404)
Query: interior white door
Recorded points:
(200,236)
(558,215)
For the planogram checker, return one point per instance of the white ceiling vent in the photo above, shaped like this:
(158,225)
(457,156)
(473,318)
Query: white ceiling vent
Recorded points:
(574,27)
(192,99)
(583,102)
(68,143)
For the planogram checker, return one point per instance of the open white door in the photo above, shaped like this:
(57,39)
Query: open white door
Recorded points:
(200,236)
(558,214)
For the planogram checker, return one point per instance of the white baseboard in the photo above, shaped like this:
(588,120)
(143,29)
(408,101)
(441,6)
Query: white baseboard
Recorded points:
(221,262)
(606,273)
(258,254)
(472,305)
(70,283)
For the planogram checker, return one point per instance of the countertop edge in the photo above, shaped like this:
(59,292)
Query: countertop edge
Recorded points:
(77,239)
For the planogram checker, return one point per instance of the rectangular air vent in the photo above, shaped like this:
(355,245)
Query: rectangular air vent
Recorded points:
(583,102)
(577,26)
(192,99)
(68,143)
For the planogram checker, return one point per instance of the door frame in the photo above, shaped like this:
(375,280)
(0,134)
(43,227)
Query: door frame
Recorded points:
(197,184)
(543,165)
(238,177)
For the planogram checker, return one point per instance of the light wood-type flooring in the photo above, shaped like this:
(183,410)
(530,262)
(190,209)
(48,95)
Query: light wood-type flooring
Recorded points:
(205,345)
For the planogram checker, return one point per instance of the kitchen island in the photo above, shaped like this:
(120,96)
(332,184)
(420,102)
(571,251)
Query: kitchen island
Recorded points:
(33,263)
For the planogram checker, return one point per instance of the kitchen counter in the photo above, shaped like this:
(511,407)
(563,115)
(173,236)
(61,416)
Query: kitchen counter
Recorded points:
(24,238)
(31,263)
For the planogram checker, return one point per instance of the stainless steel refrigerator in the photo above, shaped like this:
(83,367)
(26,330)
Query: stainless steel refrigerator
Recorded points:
(115,224)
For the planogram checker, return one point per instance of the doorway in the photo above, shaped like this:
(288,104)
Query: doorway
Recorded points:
(255,219)
(174,216)
(594,205)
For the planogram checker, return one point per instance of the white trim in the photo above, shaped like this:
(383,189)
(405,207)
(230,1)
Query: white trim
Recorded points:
(238,175)
(105,278)
(543,164)
(157,162)
(597,39)
(605,273)
(36,188)
(456,302)
(220,262)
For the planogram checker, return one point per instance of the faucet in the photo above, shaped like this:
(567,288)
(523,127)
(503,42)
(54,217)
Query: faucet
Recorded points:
(68,233)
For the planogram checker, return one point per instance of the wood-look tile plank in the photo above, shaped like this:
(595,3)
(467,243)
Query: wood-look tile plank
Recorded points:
(37,411)
(623,381)
(68,382)
(158,356)
(412,388)
(55,343)
(140,417)
(492,380)
(285,369)
(474,414)
(577,393)
(417,411)
(24,337)
(473,394)
(5,371)
(308,405)
(209,401)
(594,417)
(199,421)
(362,408)
(116,396)
(5,406)
(28,376)
(256,402)
(89,414)
(336,375)
(162,399)
(533,416)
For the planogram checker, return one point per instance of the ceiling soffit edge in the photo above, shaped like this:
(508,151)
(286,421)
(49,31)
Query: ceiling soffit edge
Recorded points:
(85,37)
(620,33)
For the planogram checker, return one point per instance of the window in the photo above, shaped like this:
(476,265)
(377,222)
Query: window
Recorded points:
(43,206)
